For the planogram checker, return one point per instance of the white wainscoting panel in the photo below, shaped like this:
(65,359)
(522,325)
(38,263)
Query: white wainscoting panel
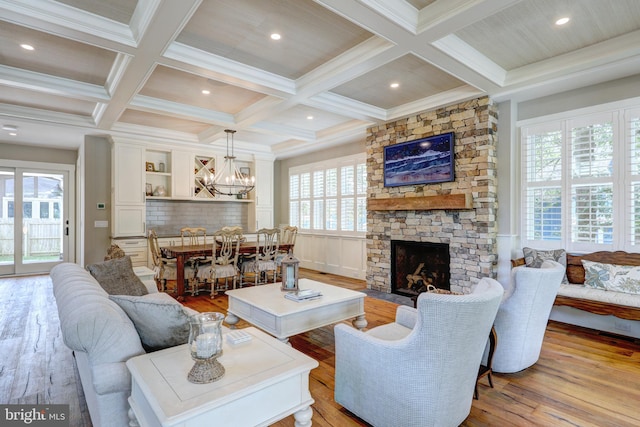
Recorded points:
(341,255)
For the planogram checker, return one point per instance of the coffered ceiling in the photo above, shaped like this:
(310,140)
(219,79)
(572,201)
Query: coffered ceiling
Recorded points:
(138,68)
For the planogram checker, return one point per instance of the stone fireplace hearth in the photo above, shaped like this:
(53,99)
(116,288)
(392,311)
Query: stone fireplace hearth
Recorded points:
(470,230)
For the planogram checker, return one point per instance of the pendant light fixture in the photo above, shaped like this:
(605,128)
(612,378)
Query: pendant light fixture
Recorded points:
(229,180)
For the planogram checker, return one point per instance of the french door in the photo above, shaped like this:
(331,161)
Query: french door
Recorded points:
(35,216)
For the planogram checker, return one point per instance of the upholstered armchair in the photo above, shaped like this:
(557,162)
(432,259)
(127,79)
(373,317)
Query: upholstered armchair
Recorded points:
(523,315)
(420,370)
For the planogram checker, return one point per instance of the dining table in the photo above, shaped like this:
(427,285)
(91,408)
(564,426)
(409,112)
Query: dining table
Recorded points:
(183,252)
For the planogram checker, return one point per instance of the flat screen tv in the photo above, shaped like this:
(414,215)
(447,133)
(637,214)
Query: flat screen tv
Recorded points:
(422,161)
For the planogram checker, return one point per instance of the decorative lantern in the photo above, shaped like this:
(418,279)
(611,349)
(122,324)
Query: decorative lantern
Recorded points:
(289,267)
(205,346)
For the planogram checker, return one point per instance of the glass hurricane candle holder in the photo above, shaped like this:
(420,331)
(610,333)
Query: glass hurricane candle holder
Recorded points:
(205,345)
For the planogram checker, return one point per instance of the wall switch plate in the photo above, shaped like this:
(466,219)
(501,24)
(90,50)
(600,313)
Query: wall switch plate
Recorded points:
(101,224)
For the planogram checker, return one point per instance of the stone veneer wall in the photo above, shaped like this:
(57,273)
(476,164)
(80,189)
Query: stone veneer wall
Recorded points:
(471,234)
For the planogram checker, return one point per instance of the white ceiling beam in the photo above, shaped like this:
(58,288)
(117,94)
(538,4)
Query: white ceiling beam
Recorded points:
(69,22)
(620,48)
(226,70)
(435,101)
(30,80)
(29,113)
(270,128)
(399,12)
(169,19)
(175,109)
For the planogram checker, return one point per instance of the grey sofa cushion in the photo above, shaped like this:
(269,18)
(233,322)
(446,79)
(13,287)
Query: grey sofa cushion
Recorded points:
(534,258)
(116,276)
(160,320)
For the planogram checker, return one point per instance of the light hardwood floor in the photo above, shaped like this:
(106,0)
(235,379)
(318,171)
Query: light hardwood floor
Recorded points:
(582,378)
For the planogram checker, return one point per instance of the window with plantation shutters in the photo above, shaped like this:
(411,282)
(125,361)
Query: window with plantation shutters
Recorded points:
(632,130)
(592,158)
(581,182)
(329,196)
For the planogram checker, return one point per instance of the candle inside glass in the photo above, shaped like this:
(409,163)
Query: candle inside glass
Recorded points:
(206,345)
(290,279)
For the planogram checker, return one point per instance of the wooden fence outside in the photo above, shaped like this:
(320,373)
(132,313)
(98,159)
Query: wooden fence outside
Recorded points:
(43,237)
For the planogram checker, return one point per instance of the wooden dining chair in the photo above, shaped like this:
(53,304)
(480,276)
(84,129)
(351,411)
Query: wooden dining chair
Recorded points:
(190,236)
(224,265)
(288,236)
(164,268)
(260,263)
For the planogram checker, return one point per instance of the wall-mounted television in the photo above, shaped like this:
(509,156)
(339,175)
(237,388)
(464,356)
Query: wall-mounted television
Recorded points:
(421,161)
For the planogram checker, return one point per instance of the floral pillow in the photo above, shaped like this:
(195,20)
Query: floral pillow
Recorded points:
(534,258)
(612,277)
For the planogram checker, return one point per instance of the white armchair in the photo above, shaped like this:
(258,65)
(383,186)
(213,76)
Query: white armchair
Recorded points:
(422,369)
(523,315)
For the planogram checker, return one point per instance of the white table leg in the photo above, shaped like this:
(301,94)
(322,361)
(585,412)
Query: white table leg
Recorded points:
(303,417)
(360,322)
(231,320)
(133,421)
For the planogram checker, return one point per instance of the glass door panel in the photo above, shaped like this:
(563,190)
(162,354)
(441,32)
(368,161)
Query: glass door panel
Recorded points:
(42,217)
(7,217)
(34,220)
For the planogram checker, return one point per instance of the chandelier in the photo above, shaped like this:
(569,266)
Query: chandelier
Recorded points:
(229,180)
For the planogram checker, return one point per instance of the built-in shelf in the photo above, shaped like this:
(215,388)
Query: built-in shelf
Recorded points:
(445,201)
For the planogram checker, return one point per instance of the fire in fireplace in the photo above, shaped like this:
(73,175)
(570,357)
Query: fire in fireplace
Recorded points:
(415,266)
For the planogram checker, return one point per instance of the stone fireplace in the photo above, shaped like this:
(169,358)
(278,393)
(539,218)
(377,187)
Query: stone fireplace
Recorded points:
(461,214)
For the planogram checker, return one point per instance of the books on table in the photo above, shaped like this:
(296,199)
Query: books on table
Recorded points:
(303,295)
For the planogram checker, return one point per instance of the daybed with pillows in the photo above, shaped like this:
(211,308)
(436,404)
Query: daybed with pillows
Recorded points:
(605,283)
(106,320)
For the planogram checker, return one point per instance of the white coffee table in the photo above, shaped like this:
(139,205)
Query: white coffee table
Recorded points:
(266,307)
(265,381)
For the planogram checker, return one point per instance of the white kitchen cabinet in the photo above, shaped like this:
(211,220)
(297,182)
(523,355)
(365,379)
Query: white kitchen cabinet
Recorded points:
(261,216)
(182,174)
(128,174)
(128,190)
(135,248)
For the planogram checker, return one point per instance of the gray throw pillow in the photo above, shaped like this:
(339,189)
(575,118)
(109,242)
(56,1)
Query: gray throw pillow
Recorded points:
(534,258)
(160,320)
(116,276)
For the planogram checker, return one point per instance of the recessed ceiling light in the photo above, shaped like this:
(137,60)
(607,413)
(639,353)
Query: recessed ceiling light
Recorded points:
(13,133)
(26,46)
(206,92)
(562,21)
(10,128)
(275,36)
(394,85)
(309,117)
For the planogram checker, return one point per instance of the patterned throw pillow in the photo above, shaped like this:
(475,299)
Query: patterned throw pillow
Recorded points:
(612,277)
(117,277)
(534,258)
(160,320)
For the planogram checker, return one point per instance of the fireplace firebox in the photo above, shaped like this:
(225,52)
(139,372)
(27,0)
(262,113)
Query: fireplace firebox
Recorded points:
(415,266)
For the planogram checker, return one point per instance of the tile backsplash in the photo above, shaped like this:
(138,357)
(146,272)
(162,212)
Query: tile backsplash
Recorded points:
(167,217)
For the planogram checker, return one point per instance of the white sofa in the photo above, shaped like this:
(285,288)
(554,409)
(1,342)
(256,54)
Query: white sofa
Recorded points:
(102,338)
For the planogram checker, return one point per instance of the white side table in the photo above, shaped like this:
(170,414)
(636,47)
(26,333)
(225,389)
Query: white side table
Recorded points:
(265,381)
(144,273)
